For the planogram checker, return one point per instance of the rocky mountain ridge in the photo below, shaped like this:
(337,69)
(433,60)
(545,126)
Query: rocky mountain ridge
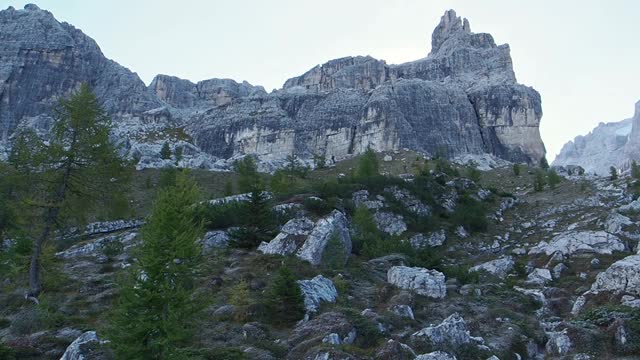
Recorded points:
(609,144)
(462,99)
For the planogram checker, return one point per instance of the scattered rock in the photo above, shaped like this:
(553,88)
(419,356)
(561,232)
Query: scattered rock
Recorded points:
(436,355)
(291,237)
(421,241)
(392,224)
(623,276)
(317,290)
(334,224)
(577,242)
(403,310)
(430,283)
(395,350)
(215,239)
(82,348)
(499,267)
(451,331)
(539,277)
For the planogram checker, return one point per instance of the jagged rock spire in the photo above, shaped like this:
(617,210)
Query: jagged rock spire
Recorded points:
(449,25)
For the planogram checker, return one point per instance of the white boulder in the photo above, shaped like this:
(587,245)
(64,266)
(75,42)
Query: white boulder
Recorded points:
(575,242)
(499,267)
(317,290)
(430,283)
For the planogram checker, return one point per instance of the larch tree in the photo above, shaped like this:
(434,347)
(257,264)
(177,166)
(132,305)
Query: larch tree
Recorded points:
(77,169)
(154,316)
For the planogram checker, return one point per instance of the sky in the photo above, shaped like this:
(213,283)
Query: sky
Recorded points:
(581,55)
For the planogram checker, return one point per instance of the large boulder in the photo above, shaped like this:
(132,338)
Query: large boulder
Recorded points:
(395,350)
(86,347)
(392,224)
(430,283)
(451,331)
(291,237)
(499,267)
(317,290)
(333,225)
(623,276)
(436,355)
(576,242)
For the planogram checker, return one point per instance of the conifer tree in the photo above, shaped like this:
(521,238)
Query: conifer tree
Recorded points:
(368,164)
(613,172)
(76,170)
(249,178)
(285,300)
(154,316)
(165,152)
(258,225)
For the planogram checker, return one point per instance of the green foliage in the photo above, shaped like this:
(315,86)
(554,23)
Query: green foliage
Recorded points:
(220,353)
(334,256)
(613,172)
(317,206)
(222,216)
(240,297)
(179,151)
(443,166)
(112,249)
(368,333)
(6,353)
(258,224)
(635,170)
(249,178)
(539,181)
(544,164)
(165,152)
(367,165)
(167,177)
(284,299)
(364,229)
(156,309)
(288,180)
(228,188)
(78,169)
(471,214)
(553,178)
(461,273)
(516,169)
(473,173)
(319,161)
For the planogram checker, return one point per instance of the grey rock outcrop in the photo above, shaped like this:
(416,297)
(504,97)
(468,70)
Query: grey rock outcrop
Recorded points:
(317,290)
(452,330)
(392,224)
(623,276)
(575,242)
(430,283)
(80,347)
(334,224)
(461,99)
(499,267)
(436,355)
(608,144)
(421,241)
(291,237)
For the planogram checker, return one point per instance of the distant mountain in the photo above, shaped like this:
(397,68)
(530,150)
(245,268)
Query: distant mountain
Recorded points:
(463,98)
(609,144)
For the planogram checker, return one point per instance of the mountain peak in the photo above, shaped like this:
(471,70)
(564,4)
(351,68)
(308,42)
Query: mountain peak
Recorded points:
(450,24)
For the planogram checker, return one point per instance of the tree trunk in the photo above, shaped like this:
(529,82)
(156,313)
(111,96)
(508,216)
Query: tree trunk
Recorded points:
(35,283)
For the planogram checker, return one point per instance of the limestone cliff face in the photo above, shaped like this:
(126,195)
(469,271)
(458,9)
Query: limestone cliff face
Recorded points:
(609,144)
(42,59)
(462,98)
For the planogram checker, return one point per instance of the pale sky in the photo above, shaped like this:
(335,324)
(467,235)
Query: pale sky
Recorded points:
(581,55)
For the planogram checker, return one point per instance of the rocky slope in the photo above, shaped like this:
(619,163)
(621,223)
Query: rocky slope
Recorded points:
(463,98)
(609,144)
(553,276)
